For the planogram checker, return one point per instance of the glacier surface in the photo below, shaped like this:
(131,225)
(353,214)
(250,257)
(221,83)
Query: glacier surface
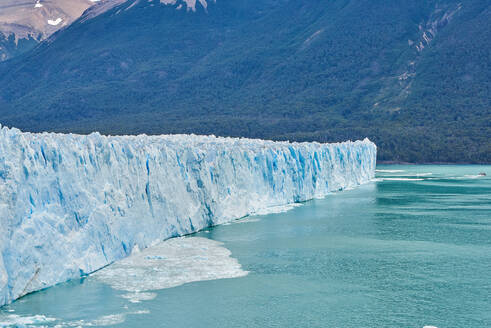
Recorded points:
(72,204)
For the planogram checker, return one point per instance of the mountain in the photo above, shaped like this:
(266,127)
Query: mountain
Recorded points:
(413,76)
(23,24)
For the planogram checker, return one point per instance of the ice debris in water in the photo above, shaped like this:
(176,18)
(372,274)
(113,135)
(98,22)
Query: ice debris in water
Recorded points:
(14,320)
(71,204)
(169,264)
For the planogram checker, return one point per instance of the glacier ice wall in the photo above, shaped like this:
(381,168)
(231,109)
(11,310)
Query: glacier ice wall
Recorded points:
(71,204)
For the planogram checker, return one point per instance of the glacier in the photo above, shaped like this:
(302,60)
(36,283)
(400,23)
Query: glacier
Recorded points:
(72,204)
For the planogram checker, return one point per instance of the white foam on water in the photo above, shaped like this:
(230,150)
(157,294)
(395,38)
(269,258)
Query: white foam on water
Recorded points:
(472,176)
(14,320)
(424,174)
(276,209)
(402,179)
(106,320)
(170,264)
(138,297)
(465,177)
(430,327)
(389,171)
(246,220)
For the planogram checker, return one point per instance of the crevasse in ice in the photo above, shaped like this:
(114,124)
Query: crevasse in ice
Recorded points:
(71,204)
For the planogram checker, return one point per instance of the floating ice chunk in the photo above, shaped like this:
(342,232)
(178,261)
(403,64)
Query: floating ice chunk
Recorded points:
(14,320)
(186,260)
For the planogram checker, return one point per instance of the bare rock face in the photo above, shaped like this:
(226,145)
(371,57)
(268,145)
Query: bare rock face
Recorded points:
(25,23)
(38,19)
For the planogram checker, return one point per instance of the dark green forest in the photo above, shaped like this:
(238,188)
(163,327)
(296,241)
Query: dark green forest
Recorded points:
(412,76)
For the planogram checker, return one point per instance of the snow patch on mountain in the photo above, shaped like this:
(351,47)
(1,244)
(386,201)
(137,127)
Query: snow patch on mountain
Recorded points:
(37,20)
(55,22)
(190,4)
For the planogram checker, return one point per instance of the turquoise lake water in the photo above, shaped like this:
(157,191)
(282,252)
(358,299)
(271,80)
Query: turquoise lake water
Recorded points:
(411,249)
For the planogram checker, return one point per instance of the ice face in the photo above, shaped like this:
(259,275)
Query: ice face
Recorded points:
(71,204)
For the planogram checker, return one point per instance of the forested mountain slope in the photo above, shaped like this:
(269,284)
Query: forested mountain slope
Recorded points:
(413,76)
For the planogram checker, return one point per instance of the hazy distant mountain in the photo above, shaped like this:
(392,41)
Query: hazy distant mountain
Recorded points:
(413,75)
